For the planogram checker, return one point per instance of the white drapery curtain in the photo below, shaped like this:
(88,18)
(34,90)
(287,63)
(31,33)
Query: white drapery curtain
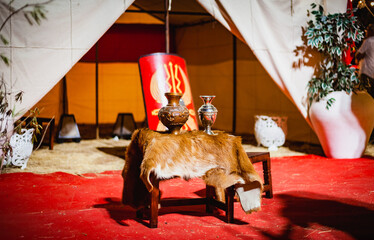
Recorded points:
(273,30)
(40,55)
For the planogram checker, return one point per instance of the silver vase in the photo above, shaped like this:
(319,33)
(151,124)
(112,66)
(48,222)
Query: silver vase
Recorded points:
(207,113)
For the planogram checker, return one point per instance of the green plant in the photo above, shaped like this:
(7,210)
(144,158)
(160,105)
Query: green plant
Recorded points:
(6,113)
(332,35)
(33,12)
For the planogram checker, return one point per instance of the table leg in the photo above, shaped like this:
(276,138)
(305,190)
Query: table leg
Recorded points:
(267,177)
(230,193)
(155,196)
(51,134)
(209,199)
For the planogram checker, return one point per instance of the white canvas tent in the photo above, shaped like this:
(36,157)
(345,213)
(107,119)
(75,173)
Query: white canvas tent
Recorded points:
(41,55)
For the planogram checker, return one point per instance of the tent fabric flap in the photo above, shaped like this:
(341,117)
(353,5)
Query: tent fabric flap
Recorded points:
(40,55)
(273,30)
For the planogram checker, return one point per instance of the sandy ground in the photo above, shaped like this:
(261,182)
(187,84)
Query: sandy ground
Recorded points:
(95,156)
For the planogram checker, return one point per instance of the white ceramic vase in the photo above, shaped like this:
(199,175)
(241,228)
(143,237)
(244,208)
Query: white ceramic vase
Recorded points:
(344,129)
(22,148)
(270,131)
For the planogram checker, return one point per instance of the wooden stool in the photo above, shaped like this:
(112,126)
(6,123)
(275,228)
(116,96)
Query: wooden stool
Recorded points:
(209,201)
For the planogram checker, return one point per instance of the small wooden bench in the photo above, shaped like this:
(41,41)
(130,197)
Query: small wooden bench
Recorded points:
(209,200)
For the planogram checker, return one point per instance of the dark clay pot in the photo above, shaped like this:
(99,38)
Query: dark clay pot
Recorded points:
(173,115)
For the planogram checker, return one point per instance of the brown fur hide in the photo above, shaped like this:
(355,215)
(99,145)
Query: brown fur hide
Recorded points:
(219,159)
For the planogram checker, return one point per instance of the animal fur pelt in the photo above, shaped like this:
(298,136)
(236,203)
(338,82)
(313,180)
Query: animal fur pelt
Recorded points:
(218,159)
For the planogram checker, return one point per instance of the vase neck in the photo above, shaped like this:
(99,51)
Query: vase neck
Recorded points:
(207,99)
(173,98)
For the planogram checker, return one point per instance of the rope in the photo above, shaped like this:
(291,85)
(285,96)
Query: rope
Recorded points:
(45,131)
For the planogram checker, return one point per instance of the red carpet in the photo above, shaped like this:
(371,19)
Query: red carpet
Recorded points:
(315,198)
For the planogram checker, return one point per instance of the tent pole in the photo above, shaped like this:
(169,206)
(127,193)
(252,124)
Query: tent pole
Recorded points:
(64,96)
(97,88)
(167,26)
(234,57)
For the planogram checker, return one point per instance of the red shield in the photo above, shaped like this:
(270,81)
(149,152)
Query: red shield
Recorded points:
(162,73)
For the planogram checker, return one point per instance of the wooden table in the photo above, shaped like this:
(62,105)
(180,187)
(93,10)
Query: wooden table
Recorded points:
(139,149)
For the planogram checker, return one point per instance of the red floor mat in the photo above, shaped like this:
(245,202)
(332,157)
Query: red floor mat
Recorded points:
(315,198)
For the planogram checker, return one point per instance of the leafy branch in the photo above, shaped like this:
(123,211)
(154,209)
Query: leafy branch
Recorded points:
(332,35)
(37,13)
(33,13)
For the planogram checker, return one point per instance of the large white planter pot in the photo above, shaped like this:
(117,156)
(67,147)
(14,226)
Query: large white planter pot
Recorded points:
(345,128)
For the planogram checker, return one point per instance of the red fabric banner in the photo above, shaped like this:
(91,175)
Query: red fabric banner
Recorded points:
(127,42)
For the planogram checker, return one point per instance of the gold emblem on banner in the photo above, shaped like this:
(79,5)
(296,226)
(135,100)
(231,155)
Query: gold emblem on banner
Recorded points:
(169,78)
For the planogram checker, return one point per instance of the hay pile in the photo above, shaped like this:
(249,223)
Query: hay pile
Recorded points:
(96,156)
(88,156)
